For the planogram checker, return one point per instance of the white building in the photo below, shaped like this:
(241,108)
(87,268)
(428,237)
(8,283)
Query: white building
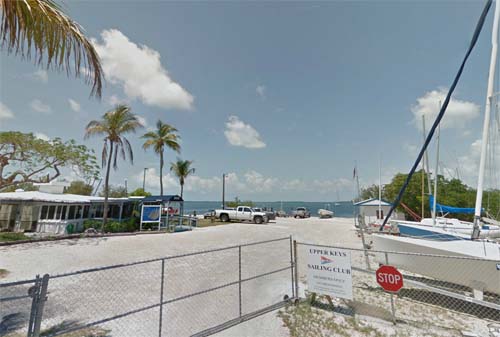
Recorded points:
(35,211)
(370,210)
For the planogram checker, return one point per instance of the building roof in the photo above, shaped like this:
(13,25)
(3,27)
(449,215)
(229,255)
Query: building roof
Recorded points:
(56,198)
(372,202)
(161,198)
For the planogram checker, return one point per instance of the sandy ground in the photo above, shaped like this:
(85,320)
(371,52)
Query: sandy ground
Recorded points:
(88,297)
(25,261)
(140,285)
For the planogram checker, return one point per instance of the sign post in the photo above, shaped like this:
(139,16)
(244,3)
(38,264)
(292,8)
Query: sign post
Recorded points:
(329,271)
(391,280)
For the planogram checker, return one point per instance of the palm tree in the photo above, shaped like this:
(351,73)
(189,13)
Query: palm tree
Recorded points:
(39,30)
(113,126)
(182,169)
(165,135)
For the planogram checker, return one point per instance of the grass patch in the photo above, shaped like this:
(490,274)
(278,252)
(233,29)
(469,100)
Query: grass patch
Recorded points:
(11,236)
(3,273)
(208,223)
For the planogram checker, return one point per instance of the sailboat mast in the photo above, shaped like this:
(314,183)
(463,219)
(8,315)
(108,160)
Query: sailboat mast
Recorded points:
(380,187)
(436,174)
(486,125)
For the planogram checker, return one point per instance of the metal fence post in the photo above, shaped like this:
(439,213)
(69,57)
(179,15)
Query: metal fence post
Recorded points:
(292,267)
(42,297)
(239,278)
(393,309)
(296,269)
(33,292)
(161,296)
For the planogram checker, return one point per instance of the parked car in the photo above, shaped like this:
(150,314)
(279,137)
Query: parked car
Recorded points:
(209,214)
(301,212)
(241,213)
(270,214)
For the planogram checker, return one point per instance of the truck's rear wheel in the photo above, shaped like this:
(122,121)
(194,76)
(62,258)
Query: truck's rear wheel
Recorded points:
(258,220)
(224,217)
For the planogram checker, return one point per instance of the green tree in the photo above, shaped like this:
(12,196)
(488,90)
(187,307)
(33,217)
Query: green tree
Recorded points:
(452,192)
(39,30)
(182,169)
(114,125)
(24,187)
(115,192)
(369,192)
(165,135)
(237,202)
(139,192)
(79,187)
(26,159)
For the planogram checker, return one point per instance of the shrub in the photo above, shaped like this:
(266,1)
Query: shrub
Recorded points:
(11,236)
(126,226)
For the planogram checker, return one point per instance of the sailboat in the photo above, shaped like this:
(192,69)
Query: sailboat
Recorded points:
(325,213)
(479,268)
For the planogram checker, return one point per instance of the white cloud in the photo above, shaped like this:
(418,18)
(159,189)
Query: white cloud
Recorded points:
(244,185)
(139,71)
(115,100)
(41,75)
(39,106)
(457,115)
(41,136)
(5,112)
(75,106)
(240,134)
(261,91)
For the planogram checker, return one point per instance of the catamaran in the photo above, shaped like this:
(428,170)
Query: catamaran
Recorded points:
(480,268)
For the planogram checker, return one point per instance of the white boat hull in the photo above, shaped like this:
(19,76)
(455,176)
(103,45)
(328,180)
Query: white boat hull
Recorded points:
(481,272)
(324,213)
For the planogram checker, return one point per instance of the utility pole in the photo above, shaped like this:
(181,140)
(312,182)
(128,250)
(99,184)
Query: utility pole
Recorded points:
(144,179)
(223,191)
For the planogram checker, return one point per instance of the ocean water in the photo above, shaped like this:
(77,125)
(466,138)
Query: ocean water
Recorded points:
(341,208)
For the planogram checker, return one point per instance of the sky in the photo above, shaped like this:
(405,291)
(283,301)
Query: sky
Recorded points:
(284,97)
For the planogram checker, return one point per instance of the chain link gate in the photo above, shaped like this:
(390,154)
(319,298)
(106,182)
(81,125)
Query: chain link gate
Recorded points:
(193,294)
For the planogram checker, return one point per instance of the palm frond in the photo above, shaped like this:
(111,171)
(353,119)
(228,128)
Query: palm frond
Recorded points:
(39,28)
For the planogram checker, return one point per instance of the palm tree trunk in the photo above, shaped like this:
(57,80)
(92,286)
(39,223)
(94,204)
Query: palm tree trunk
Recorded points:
(106,188)
(161,173)
(182,189)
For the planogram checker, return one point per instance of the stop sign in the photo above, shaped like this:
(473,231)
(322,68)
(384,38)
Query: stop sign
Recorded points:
(389,278)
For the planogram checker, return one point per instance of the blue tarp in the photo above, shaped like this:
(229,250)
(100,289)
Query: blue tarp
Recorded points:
(449,209)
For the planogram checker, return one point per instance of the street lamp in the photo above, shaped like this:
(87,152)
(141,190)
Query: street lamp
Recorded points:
(144,179)
(224,190)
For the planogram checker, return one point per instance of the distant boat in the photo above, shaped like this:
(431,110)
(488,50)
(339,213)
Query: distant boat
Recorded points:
(325,213)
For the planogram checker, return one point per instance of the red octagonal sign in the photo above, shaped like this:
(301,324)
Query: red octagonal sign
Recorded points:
(389,278)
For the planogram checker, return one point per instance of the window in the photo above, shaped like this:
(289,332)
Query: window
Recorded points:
(246,209)
(79,211)
(86,212)
(72,212)
(51,213)
(63,213)
(43,213)
(98,211)
(58,212)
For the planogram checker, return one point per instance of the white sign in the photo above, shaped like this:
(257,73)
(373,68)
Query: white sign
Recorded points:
(329,271)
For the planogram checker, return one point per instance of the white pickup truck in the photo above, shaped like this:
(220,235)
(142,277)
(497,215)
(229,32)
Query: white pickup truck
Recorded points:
(241,213)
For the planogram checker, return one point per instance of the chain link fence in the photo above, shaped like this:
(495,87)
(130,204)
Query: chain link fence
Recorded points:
(428,304)
(195,294)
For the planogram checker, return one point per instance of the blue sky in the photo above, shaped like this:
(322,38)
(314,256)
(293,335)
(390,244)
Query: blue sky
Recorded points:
(282,96)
